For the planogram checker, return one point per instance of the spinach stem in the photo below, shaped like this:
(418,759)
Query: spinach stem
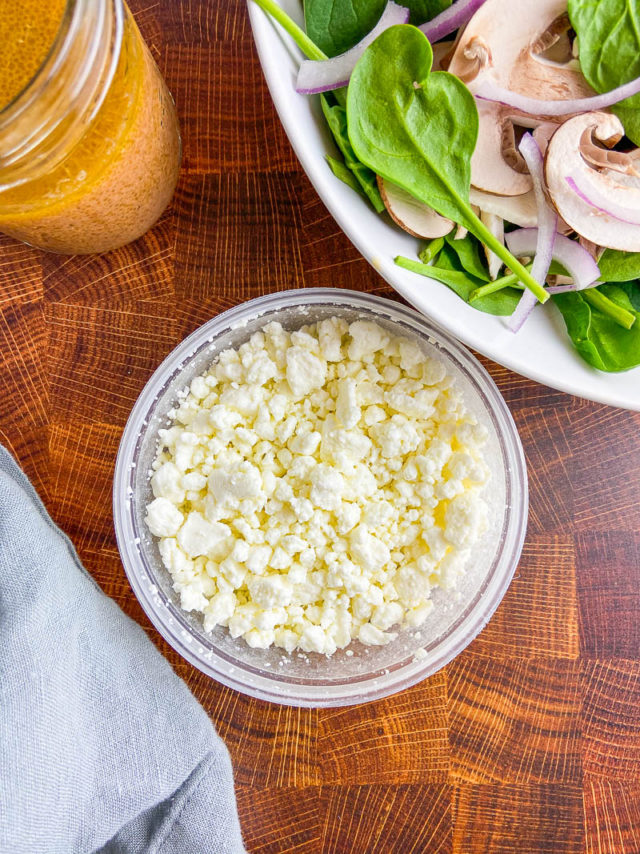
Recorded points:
(511,280)
(616,312)
(431,250)
(480,230)
(310,50)
(430,271)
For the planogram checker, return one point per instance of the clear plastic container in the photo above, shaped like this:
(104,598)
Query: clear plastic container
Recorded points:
(311,679)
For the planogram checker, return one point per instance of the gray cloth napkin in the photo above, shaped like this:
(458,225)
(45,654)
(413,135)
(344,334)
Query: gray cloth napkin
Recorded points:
(102,747)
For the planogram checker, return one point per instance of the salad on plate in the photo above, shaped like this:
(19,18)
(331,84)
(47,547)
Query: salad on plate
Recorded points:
(505,135)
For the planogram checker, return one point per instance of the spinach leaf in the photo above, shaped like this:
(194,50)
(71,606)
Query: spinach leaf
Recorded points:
(429,252)
(501,302)
(418,130)
(336,25)
(336,117)
(462,283)
(468,251)
(618,266)
(415,128)
(344,174)
(597,337)
(556,269)
(609,42)
(632,290)
(448,260)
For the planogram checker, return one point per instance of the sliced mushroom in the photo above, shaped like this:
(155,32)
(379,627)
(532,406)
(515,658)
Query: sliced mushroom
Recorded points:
(556,279)
(413,216)
(495,224)
(442,53)
(508,46)
(602,158)
(543,133)
(520,210)
(601,204)
(592,248)
(495,163)
(554,46)
(512,43)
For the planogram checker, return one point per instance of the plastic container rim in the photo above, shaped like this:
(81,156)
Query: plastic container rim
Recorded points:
(253,681)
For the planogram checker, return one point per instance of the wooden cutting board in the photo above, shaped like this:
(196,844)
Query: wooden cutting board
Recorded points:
(528,742)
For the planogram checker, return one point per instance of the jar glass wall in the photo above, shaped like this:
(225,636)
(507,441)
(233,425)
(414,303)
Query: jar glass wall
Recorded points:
(90,149)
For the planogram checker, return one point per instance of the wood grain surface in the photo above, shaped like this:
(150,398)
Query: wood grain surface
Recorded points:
(529,741)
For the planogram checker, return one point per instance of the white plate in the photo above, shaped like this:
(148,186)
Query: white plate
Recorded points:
(541,350)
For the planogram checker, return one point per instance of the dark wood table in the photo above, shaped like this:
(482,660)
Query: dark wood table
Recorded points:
(529,741)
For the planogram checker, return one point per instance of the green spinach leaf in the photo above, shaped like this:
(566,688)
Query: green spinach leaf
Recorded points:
(468,251)
(609,49)
(418,130)
(632,290)
(337,25)
(618,266)
(430,251)
(556,269)
(336,117)
(344,174)
(602,342)
(449,272)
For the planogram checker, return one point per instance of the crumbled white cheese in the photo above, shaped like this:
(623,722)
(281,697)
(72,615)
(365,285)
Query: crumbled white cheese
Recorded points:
(316,486)
(163,518)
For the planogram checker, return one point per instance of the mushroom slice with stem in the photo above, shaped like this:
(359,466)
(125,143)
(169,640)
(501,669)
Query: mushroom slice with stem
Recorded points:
(508,47)
(511,49)
(601,204)
(555,45)
(413,216)
(603,158)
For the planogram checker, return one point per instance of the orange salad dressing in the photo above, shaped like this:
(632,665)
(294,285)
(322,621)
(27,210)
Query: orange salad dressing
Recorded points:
(27,31)
(115,182)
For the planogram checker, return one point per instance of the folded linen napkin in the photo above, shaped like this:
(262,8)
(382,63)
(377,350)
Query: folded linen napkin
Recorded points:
(102,747)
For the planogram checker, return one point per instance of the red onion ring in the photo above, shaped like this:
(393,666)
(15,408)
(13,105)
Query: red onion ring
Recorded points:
(590,194)
(456,16)
(565,289)
(547,226)
(487,90)
(577,262)
(315,76)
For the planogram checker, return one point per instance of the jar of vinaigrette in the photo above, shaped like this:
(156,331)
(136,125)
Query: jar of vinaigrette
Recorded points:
(89,137)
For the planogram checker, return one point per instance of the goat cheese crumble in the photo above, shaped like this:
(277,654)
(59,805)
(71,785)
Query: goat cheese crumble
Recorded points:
(315,486)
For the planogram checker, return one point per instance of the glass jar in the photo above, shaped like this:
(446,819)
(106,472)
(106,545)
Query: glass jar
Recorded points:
(90,148)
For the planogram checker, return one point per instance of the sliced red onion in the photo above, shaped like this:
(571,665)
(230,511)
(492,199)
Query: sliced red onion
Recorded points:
(456,16)
(315,76)
(487,90)
(526,304)
(547,226)
(576,260)
(564,289)
(592,195)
